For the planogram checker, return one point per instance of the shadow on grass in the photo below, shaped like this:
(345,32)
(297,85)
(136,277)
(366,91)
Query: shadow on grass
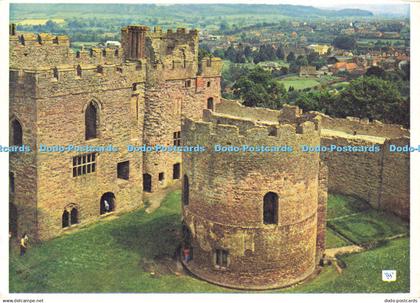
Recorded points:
(152,238)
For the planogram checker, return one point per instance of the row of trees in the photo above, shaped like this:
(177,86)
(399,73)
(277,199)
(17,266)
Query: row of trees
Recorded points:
(267,52)
(372,97)
(242,54)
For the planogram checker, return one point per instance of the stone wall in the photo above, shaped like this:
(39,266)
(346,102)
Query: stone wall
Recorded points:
(382,178)
(226,193)
(22,166)
(142,92)
(353,125)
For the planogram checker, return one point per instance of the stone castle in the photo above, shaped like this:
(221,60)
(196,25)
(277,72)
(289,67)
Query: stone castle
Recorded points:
(254,220)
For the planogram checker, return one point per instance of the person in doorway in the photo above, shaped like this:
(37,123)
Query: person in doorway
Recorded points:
(186,252)
(106,206)
(23,244)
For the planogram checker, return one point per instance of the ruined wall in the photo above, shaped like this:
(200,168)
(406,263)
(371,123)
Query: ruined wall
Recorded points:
(142,90)
(381,178)
(172,91)
(23,200)
(363,127)
(322,210)
(395,181)
(60,120)
(235,108)
(226,193)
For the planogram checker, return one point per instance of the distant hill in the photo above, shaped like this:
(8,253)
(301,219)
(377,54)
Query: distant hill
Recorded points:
(22,11)
(383,9)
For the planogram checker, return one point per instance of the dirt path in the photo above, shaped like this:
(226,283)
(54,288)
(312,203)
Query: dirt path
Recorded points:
(332,252)
(153,200)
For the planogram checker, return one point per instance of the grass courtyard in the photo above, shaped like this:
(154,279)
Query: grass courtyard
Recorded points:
(126,255)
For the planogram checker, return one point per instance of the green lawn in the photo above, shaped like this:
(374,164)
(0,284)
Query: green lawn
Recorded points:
(119,255)
(339,206)
(336,240)
(363,272)
(369,227)
(299,82)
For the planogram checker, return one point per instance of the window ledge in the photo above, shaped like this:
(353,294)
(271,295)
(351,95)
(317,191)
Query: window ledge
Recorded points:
(107,214)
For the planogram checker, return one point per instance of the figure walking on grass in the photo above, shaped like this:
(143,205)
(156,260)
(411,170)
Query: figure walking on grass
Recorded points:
(23,244)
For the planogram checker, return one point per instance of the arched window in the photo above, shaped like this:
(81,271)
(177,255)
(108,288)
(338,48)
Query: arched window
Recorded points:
(74,216)
(184,59)
(17,133)
(55,73)
(91,121)
(107,203)
(147,183)
(12,182)
(210,104)
(65,219)
(186,191)
(271,208)
(79,71)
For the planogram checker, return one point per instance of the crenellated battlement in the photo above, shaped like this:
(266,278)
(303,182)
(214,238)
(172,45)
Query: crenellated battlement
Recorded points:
(210,67)
(65,79)
(241,130)
(357,126)
(32,39)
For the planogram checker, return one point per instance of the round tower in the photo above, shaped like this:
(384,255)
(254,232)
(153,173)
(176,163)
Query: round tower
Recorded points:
(250,219)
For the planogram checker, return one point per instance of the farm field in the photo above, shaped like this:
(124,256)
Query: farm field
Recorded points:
(133,253)
(39,21)
(299,83)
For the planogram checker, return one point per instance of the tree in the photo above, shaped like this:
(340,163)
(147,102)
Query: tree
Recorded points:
(322,101)
(291,57)
(301,60)
(230,53)
(257,87)
(376,71)
(280,52)
(248,52)
(344,42)
(313,57)
(203,52)
(373,98)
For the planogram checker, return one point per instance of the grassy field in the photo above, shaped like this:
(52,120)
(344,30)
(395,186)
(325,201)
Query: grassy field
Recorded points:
(299,83)
(38,21)
(369,227)
(128,254)
(336,240)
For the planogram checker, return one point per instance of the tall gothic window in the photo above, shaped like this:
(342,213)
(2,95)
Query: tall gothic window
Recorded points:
(17,134)
(271,202)
(91,121)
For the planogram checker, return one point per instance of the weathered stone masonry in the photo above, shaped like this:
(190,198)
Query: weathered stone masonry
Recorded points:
(138,95)
(251,220)
(225,208)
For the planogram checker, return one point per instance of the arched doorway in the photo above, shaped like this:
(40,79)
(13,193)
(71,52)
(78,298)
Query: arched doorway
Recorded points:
(210,104)
(65,219)
(147,183)
(74,216)
(187,248)
(13,220)
(107,203)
